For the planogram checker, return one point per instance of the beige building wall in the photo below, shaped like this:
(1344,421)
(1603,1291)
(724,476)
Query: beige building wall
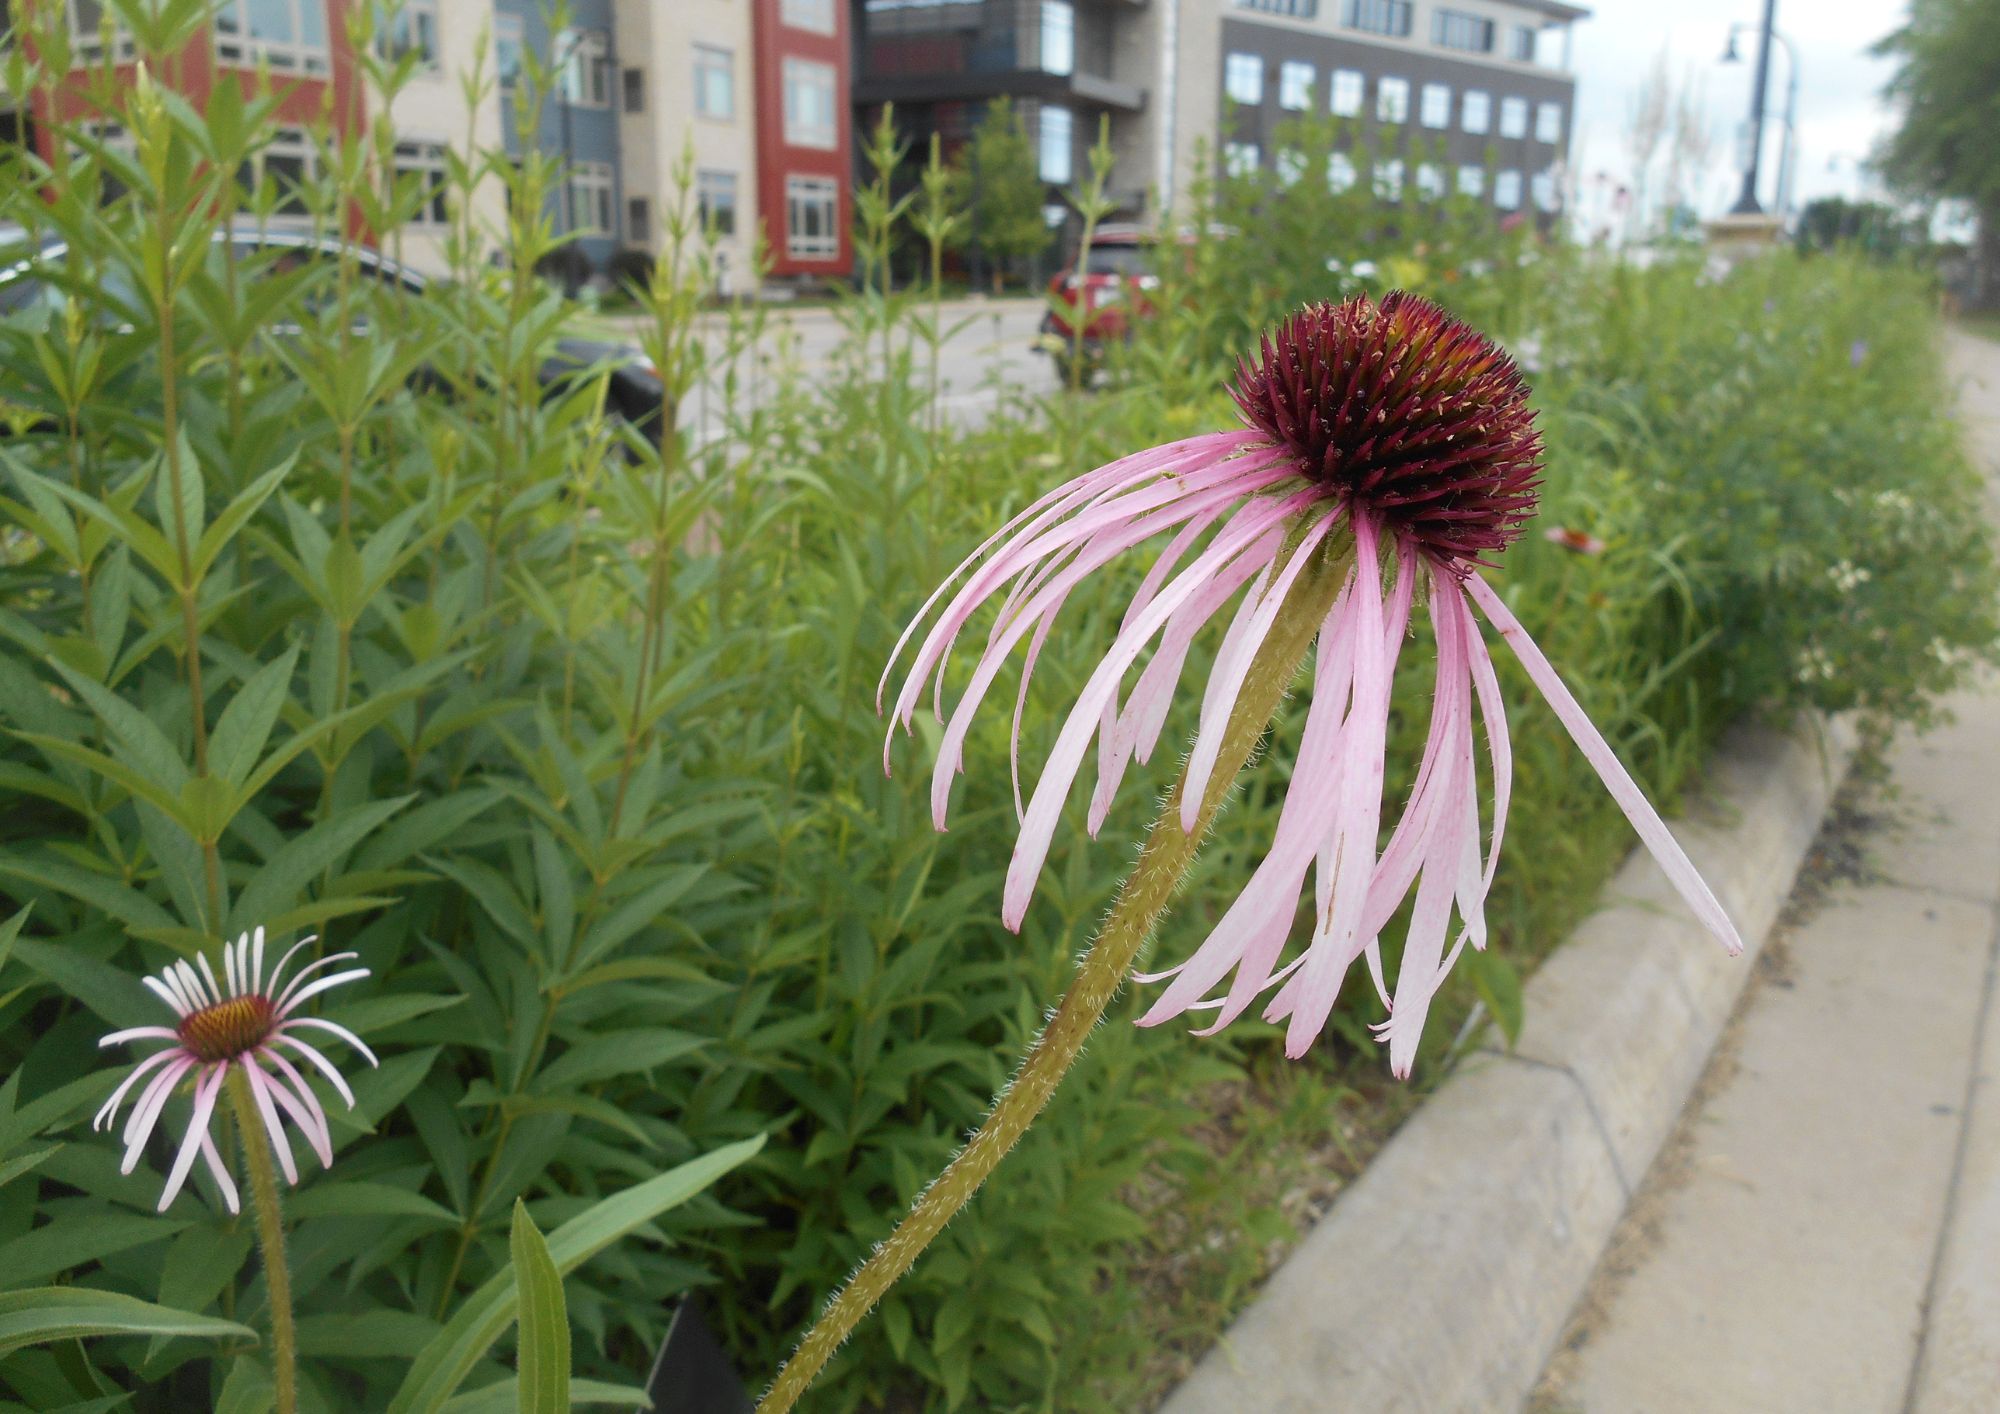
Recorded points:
(431,112)
(661,36)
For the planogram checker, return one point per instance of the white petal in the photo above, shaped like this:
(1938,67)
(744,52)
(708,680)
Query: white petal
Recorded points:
(204,1106)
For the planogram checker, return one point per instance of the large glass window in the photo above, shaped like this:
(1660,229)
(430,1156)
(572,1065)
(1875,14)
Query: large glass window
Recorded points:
(1388,177)
(1058,37)
(1348,91)
(288,35)
(591,194)
(1471,180)
(1454,29)
(583,67)
(1057,144)
(1435,107)
(1478,111)
(1340,173)
(635,90)
(422,165)
(290,163)
(1295,84)
(714,82)
(1297,9)
(638,220)
(1545,190)
(1521,43)
(1391,17)
(1243,78)
(812,216)
(1240,159)
(1513,117)
(413,29)
(814,15)
(1549,122)
(1290,165)
(1392,99)
(509,38)
(809,115)
(1507,189)
(1429,181)
(715,199)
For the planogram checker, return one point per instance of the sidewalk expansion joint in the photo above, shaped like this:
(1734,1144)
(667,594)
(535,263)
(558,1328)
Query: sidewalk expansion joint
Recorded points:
(1589,1104)
(1954,1185)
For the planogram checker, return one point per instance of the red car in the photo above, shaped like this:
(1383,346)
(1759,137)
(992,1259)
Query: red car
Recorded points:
(1103,297)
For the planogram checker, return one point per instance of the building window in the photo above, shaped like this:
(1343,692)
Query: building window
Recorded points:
(1392,99)
(1057,135)
(1507,190)
(1435,106)
(1390,17)
(1058,37)
(813,15)
(1290,164)
(590,199)
(286,34)
(638,220)
(1340,173)
(1430,181)
(583,65)
(1389,179)
(1243,79)
(421,165)
(508,40)
(1478,111)
(1545,190)
(714,82)
(1454,29)
(715,200)
(1471,180)
(809,116)
(1521,43)
(1240,159)
(289,161)
(812,218)
(1549,123)
(635,90)
(1297,9)
(1513,117)
(413,29)
(1295,84)
(86,20)
(1348,87)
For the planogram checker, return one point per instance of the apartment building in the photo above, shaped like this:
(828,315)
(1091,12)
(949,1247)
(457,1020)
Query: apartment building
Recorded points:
(446,39)
(1485,81)
(805,144)
(1467,95)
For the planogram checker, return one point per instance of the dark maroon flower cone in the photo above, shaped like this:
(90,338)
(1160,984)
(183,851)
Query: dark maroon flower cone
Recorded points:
(1407,414)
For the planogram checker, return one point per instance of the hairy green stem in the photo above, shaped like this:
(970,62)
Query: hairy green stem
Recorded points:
(1168,853)
(270,1238)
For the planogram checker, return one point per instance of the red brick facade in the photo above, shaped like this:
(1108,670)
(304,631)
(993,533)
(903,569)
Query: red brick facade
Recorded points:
(812,251)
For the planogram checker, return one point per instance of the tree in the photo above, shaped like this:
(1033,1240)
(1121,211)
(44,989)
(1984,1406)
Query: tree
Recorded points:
(997,179)
(1947,85)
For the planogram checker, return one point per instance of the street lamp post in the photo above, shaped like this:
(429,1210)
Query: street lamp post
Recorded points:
(1788,152)
(1746,204)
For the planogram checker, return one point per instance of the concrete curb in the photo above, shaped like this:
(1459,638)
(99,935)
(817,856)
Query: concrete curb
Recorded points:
(1442,1278)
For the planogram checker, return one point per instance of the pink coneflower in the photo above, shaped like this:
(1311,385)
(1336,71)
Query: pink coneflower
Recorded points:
(243,1022)
(1394,445)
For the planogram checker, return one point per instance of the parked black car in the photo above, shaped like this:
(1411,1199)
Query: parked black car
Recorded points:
(633,389)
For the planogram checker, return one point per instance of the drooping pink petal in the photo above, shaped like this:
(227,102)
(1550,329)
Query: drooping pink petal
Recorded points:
(296,1098)
(108,1114)
(325,1067)
(1645,820)
(162,988)
(299,998)
(1245,530)
(260,1090)
(1417,978)
(292,1023)
(205,1091)
(269,987)
(283,1001)
(218,1170)
(146,1113)
(139,1033)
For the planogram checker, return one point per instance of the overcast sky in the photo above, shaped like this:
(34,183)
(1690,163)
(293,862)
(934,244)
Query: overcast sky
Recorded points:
(1840,110)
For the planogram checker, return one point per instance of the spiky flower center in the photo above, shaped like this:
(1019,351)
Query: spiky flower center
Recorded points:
(229,1028)
(1406,413)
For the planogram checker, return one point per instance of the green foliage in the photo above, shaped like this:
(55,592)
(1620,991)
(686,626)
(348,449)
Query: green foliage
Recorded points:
(1947,82)
(997,179)
(316,613)
(543,1379)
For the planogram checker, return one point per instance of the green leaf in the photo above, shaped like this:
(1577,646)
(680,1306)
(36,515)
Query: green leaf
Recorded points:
(329,1199)
(482,1317)
(113,993)
(236,514)
(245,725)
(499,1398)
(183,515)
(286,874)
(102,892)
(1498,983)
(146,746)
(74,1312)
(615,1053)
(11,930)
(249,1388)
(15,1167)
(543,1366)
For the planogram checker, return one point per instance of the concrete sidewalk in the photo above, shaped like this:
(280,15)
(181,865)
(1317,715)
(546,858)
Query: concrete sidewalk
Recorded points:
(1824,1232)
